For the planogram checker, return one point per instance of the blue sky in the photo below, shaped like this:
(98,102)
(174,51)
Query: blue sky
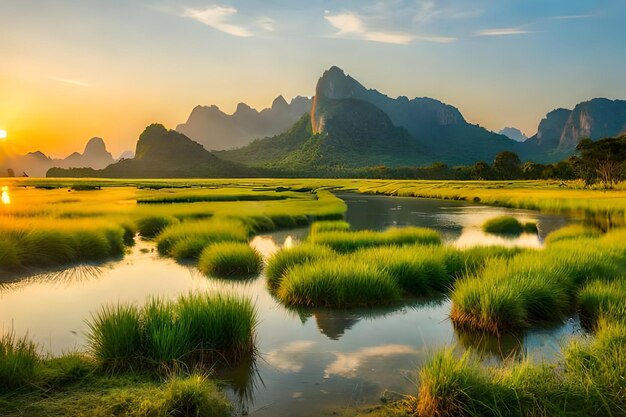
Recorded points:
(75,69)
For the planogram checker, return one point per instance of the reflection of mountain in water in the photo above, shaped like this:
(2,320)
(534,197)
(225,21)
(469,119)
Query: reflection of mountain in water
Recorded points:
(334,324)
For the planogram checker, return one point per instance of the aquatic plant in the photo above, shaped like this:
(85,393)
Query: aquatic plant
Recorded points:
(230,259)
(194,329)
(337,282)
(286,258)
(348,241)
(201,233)
(149,227)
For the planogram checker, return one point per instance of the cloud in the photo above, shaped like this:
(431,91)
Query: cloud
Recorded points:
(217,17)
(347,364)
(502,32)
(290,358)
(351,25)
(70,81)
(577,16)
(427,10)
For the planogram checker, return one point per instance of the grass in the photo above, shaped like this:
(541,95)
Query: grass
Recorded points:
(185,199)
(339,282)
(149,227)
(329,226)
(195,329)
(508,225)
(510,294)
(348,241)
(18,360)
(287,258)
(60,243)
(573,231)
(602,298)
(230,259)
(187,239)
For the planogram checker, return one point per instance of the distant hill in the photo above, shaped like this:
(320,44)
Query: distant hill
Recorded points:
(216,130)
(513,134)
(36,164)
(163,153)
(353,126)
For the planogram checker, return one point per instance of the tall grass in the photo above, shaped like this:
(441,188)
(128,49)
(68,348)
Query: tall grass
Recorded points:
(286,258)
(150,226)
(573,231)
(186,199)
(508,225)
(329,226)
(347,241)
(18,360)
(199,234)
(230,259)
(509,294)
(339,282)
(602,298)
(195,329)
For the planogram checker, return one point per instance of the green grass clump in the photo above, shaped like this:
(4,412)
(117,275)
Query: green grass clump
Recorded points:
(286,258)
(9,255)
(506,225)
(195,329)
(230,259)
(18,361)
(509,294)
(338,282)
(602,298)
(573,231)
(418,270)
(149,227)
(185,199)
(347,241)
(199,234)
(329,226)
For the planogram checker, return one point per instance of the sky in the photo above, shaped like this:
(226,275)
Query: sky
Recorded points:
(74,69)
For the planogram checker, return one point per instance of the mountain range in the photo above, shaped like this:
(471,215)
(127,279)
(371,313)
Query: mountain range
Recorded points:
(513,133)
(346,125)
(216,130)
(36,164)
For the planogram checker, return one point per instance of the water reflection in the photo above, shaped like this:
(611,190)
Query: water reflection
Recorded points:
(5,197)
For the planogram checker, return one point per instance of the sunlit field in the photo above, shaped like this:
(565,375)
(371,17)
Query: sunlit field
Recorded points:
(161,353)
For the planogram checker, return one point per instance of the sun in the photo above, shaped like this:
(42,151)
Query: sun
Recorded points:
(3,134)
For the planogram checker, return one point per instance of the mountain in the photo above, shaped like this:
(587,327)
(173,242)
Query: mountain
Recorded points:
(216,130)
(126,155)
(513,134)
(163,153)
(561,130)
(353,126)
(36,164)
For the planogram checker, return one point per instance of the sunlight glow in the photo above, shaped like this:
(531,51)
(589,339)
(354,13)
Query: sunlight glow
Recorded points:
(3,134)
(5,198)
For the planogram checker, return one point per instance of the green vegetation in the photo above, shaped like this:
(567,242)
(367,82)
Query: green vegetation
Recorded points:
(184,199)
(187,239)
(230,259)
(329,226)
(18,360)
(348,241)
(573,231)
(149,227)
(286,258)
(602,298)
(196,329)
(337,283)
(60,243)
(508,225)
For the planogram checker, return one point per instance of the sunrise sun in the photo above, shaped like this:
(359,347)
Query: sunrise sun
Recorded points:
(3,134)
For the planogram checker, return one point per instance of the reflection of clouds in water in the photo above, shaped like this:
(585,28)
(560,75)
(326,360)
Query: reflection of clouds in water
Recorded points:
(470,237)
(265,245)
(290,358)
(347,364)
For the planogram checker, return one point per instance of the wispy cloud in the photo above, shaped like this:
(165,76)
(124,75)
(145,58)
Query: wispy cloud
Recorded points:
(502,32)
(347,365)
(576,16)
(77,83)
(351,25)
(290,358)
(428,10)
(218,18)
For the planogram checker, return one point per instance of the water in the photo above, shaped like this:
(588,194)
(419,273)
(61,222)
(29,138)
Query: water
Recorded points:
(311,360)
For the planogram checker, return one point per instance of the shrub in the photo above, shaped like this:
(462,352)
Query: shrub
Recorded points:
(230,259)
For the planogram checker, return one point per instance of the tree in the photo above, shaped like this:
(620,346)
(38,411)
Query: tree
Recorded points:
(507,165)
(481,171)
